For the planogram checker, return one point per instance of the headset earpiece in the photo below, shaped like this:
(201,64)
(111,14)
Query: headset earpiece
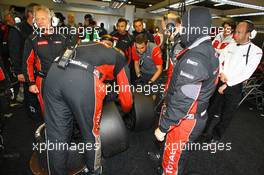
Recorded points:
(17,20)
(54,20)
(128,26)
(35,26)
(144,25)
(253,34)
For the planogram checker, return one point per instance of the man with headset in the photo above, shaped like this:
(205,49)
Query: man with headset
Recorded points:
(241,60)
(191,86)
(40,49)
(122,38)
(16,40)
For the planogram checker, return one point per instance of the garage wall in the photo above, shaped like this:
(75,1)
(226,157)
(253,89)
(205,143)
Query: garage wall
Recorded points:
(101,13)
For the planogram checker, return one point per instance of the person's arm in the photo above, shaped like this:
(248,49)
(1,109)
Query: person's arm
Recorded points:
(157,73)
(135,58)
(216,41)
(157,59)
(137,68)
(28,62)
(183,100)
(223,57)
(28,65)
(15,49)
(124,94)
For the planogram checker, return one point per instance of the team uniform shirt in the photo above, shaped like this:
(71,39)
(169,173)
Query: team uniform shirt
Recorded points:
(240,62)
(123,42)
(220,42)
(150,59)
(39,53)
(110,63)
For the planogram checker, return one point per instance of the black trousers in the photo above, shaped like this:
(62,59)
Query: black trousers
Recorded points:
(222,109)
(31,103)
(73,93)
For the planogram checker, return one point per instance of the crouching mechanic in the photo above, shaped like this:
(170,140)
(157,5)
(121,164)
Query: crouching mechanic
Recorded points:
(191,86)
(148,60)
(77,90)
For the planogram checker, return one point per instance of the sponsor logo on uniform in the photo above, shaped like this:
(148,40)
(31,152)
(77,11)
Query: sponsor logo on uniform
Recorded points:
(42,43)
(57,42)
(192,62)
(187,75)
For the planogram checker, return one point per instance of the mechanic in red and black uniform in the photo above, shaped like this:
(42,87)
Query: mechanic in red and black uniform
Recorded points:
(193,82)
(77,92)
(148,60)
(122,38)
(40,49)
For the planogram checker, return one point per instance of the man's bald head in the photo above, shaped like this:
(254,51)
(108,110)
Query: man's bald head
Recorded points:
(242,33)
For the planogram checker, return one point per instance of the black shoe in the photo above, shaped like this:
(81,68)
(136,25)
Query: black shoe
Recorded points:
(86,171)
(159,170)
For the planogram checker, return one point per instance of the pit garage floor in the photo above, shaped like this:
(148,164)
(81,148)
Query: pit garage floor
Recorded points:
(246,157)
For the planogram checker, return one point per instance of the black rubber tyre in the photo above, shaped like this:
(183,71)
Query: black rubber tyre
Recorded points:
(113,132)
(143,112)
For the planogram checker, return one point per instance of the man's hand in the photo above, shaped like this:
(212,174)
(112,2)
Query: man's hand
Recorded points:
(223,78)
(150,82)
(138,74)
(21,78)
(33,89)
(159,135)
(222,88)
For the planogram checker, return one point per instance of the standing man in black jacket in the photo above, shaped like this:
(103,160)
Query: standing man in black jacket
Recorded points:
(16,41)
(191,86)
(41,48)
